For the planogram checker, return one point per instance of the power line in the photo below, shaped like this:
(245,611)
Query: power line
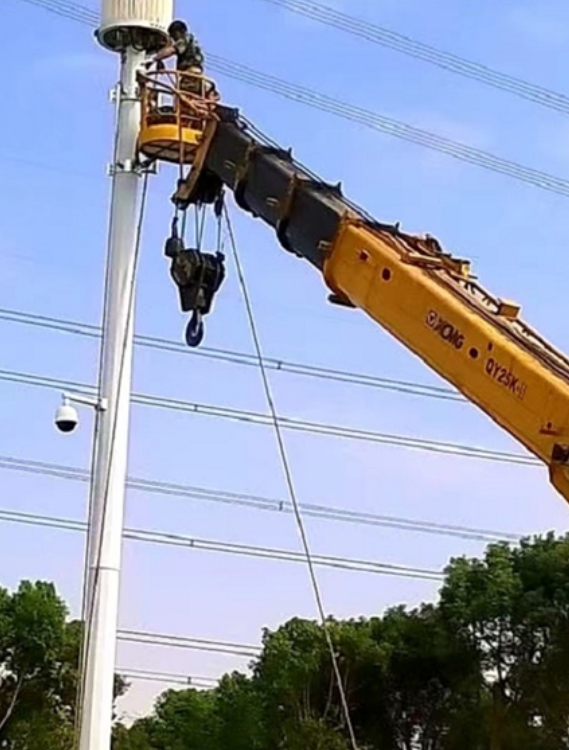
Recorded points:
(325,512)
(46,166)
(185,642)
(231,548)
(389,126)
(353,113)
(239,358)
(289,423)
(191,681)
(73,11)
(380,35)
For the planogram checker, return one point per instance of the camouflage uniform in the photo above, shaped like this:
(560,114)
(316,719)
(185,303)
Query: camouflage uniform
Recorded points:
(190,60)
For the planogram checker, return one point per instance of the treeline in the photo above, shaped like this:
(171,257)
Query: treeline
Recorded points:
(484,668)
(39,659)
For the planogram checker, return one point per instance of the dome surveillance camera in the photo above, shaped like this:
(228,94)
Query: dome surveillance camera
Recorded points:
(66,418)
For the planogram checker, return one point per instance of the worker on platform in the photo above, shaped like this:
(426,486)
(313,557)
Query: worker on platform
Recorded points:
(189,56)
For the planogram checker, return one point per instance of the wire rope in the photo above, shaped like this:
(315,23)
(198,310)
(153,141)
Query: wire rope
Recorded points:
(287,470)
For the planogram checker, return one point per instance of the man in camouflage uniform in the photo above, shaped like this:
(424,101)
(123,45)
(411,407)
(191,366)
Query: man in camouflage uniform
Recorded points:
(189,56)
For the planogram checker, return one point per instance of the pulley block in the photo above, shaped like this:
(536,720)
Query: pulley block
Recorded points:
(198,277)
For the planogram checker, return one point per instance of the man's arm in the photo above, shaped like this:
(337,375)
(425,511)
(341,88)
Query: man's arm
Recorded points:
(164,53)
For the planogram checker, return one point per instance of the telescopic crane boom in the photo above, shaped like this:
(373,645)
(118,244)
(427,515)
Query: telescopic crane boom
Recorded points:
(426,298)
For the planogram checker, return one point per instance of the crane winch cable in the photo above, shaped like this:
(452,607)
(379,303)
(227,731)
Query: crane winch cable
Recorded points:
(287,471)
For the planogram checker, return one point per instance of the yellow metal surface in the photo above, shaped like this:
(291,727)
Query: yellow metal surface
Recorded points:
(170,143)
(516,379)
(187,185)
(176,108)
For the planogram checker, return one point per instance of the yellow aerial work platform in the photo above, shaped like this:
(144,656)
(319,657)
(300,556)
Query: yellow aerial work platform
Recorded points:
(176,108)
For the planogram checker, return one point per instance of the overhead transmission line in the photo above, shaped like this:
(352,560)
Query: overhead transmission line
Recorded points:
(244,500)
(66,9)
(288,423)
(169,640)
(190,681)
(384,37)
(232,356)
(353,113)
(231,548)
(66,170)
(389,126)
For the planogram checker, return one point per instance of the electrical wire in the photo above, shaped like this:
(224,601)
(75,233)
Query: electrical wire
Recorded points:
(73,11)
(145,638)
(287,471)
(389,126)
(190,681)
(240,358)
(167,679)
(353,113)
(231,548)
(380,35)
(289,423)
(273,505)
(45,166)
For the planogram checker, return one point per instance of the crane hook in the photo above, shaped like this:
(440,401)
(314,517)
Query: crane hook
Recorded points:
(195,330)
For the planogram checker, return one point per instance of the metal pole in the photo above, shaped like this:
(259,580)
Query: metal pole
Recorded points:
(111,447)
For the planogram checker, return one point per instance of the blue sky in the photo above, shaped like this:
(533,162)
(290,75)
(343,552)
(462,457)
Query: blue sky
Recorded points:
(53,229)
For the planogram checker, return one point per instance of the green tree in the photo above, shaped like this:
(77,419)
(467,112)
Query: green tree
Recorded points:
(136,737)
(239,711)
(32,642)
(299,689)
(485,668)
(513,608)
(183,719)
(39,660)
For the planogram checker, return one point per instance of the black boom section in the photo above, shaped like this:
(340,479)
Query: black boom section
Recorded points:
(266,181)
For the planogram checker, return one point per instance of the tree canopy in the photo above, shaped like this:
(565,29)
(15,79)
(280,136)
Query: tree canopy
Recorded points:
(39,661)
(485,667)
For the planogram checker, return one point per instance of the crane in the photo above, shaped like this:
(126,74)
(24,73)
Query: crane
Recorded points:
(422,295)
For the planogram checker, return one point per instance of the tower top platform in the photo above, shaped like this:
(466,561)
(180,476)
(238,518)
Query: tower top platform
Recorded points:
(142,24)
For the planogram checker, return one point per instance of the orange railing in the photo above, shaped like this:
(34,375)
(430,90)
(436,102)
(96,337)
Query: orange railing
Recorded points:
(187,100)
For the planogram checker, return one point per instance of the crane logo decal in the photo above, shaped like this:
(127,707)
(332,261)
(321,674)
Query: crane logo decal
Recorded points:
(506,377)
(447,331)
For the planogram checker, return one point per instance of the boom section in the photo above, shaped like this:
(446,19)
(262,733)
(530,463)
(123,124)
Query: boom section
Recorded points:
(424,297)
(476,342)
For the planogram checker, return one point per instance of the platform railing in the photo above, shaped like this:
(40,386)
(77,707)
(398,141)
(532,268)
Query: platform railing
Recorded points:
(172,97)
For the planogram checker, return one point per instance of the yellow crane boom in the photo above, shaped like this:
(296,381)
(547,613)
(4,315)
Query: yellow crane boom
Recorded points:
(425,297)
